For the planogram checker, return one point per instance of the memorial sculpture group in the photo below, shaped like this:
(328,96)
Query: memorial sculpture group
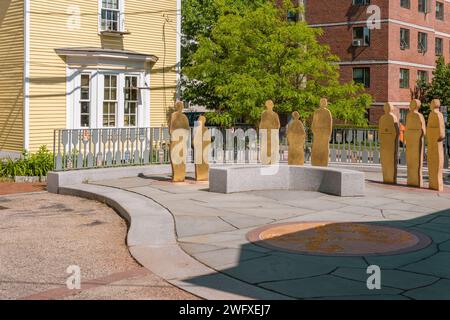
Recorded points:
(322,126)
(269,128)
(416,131)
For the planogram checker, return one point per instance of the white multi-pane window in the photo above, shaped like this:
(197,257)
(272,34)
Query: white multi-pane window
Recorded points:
(109,100)
(130,101)
(85,100)
(111,15)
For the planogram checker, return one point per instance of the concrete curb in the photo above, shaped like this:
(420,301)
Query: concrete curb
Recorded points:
(57,179)
(152,242)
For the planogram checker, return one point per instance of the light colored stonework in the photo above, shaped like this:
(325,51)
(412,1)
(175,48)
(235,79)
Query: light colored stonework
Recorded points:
(340,182)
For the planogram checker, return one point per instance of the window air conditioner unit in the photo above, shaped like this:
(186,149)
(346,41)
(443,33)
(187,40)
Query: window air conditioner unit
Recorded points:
(357,43)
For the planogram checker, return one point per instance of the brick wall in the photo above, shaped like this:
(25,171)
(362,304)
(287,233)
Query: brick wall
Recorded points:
(385,44)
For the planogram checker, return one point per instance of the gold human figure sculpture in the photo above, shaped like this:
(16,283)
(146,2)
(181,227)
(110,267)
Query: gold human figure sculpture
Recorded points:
(414,134)
(202,142)
(322,127)
(270,128)
(296,140)
(435,154)
(179,132)
(389,131)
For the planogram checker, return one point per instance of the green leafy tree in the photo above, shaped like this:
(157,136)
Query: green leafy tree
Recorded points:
(253,53)
(439,88)
(198,20)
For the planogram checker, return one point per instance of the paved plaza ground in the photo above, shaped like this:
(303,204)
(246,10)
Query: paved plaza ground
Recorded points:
(41,234)
(222,235)
(214,229)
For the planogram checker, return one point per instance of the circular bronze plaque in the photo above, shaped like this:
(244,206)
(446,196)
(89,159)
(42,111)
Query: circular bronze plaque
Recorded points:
(338,238)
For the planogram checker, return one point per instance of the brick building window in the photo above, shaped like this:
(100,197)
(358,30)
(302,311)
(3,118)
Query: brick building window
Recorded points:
(404,78)
(403,114)
(405,4)
(422,76)
(404,38)
(422,44)
(362,75)
(439,10)
(361,37)
(292,16)
(424,6)
(361,2)
(439,44)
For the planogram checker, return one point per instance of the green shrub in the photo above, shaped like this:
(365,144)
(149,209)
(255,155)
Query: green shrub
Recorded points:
(37,164)
(40,163)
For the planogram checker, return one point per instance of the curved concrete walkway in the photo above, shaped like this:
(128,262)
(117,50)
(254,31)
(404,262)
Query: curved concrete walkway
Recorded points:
(152,242)
(209,255)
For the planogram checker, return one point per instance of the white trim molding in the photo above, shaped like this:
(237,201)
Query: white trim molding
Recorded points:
(26,76)
(403,103)
(394,21)
(178,53)
(372,62)
(99,53)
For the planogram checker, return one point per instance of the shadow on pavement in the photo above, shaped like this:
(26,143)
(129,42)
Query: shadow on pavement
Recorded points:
(416,264)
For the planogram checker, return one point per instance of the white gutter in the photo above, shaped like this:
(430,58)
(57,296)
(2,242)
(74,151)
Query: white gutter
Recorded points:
(26,76)
(178,51)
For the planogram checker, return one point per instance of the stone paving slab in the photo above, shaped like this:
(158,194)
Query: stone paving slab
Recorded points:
(191,226)
(390,278)
(227,257)
(225,288)
(437,291)
(445,246)
(396,261)
(246,221)
(274,268)
(437,265)
(325,286)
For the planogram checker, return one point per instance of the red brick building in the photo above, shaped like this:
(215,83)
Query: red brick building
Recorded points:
(390,58)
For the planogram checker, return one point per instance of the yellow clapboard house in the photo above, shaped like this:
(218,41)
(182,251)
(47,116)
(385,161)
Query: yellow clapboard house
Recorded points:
(84,64)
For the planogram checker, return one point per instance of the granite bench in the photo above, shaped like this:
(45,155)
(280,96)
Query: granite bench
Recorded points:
(241,178)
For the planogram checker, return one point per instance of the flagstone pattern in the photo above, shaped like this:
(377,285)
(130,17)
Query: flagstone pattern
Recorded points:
(212,229)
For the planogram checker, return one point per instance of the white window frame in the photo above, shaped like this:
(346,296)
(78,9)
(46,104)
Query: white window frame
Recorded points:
(74,98)
(125,101)
(121,22)
(88,100)
(97,98)
(102,100)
